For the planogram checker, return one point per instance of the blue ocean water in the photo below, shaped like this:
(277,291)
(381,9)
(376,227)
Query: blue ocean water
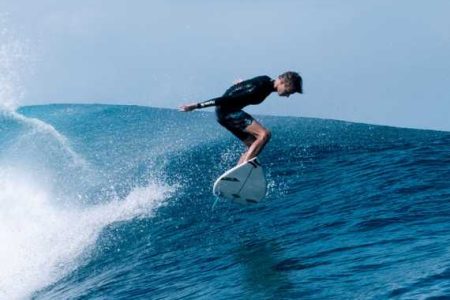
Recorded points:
(115,202)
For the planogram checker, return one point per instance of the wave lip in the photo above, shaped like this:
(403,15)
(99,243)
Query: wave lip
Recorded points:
(40,127)
(41,242)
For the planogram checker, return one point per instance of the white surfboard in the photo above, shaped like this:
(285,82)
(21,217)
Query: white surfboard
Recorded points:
(245,183)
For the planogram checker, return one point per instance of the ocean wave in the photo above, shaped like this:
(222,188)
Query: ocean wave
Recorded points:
(353,210)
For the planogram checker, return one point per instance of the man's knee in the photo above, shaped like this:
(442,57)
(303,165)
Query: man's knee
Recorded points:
(266,135)
(249,140)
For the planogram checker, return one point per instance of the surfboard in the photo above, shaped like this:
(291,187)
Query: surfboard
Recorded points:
(244,184)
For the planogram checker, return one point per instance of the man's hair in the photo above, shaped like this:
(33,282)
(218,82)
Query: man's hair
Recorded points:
(293,80)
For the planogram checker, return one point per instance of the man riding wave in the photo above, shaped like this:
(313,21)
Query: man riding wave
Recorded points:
(249,92)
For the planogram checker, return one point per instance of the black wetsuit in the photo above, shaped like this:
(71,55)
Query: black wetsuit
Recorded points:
(229,107)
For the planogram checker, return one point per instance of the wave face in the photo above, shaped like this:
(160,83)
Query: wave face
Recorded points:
(115,202)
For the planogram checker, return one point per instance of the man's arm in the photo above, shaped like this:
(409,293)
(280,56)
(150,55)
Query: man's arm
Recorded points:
(192,106)
(188,107)
(244,94)
(215,102)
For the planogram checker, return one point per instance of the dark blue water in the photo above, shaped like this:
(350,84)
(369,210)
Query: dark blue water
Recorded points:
(115,202)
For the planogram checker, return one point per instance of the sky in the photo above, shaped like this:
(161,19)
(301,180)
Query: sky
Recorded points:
(374,61)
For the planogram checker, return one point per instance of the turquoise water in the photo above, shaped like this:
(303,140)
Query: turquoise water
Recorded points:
(114,202)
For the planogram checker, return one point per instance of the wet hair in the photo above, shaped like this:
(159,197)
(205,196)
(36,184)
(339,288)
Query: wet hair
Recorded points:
(293,80)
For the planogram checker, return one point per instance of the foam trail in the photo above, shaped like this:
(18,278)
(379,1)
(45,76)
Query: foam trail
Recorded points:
(40,243)
(45,128)
(14,61)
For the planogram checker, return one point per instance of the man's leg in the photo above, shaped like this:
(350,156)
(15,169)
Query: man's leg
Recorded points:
(261,137)
(248,142)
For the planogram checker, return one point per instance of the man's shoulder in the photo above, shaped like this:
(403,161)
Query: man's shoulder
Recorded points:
(249,86)
(262,78)
(257,82)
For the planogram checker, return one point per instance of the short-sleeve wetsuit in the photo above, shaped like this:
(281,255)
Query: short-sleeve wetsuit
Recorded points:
(229,107)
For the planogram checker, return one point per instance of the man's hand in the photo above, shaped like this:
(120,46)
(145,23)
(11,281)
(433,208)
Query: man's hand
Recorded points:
(188,107)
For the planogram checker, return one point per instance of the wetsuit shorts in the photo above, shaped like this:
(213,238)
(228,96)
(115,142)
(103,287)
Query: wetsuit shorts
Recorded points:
(236,122)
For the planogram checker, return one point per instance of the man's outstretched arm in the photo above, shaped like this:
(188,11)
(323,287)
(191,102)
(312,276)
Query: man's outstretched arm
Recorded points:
(192,106)
(215,102)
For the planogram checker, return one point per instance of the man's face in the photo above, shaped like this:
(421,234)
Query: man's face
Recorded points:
(284,89)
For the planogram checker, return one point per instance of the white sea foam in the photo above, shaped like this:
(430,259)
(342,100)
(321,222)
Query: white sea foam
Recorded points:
(15,61)
(40,242)
(37,127)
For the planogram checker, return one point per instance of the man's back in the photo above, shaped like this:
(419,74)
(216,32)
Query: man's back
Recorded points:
(251,91)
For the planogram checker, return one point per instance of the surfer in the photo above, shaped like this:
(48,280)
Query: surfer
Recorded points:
(253,91)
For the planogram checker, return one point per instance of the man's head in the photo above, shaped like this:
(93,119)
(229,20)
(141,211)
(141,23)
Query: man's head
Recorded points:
(289,83)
